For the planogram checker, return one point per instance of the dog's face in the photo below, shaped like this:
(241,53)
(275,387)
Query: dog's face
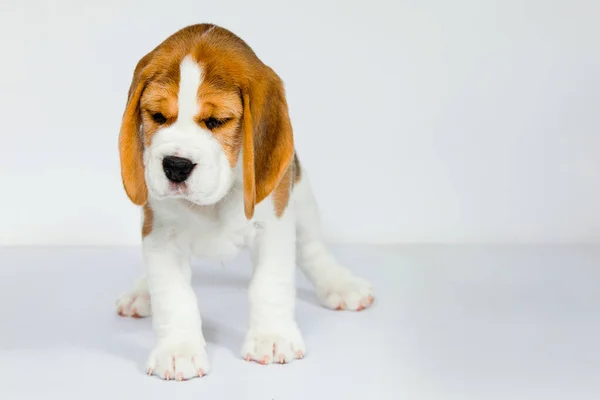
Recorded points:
(198,104)
(192,135)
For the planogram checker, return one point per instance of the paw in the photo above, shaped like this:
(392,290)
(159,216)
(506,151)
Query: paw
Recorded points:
(274,345)
(345,292)
(179,359)
(135,304)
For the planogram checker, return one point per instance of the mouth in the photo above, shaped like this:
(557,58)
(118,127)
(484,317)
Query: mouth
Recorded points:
(180,189)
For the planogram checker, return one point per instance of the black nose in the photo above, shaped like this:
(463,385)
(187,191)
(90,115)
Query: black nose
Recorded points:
(177,169)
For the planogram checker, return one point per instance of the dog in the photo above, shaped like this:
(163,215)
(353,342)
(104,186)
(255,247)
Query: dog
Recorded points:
(207,150)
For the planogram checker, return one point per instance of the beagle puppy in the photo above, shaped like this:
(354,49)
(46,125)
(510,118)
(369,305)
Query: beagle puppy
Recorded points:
(206,149)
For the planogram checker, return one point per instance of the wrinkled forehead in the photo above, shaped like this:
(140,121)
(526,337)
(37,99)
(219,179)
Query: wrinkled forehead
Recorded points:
(191,88)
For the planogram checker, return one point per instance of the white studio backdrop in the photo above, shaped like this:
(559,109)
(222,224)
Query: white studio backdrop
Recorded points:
(418,121)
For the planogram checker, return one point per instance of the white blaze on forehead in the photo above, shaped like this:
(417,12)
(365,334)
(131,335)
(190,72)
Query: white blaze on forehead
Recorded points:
(190,78)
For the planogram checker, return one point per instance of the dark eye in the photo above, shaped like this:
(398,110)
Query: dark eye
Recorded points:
(212,123)
(159,118)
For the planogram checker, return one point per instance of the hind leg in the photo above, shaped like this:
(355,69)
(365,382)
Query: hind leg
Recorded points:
(135,303)
(336,286)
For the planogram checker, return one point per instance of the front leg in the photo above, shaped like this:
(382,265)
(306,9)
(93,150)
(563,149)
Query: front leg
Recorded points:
(180,351)
(273,335)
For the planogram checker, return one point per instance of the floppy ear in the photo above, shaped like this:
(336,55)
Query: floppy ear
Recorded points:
(130,142)
(267,139)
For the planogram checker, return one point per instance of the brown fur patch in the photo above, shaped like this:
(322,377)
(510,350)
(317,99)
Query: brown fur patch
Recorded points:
(130,150)
(248,159)
(223,105)
(158,98)
(281,195)
(148,220)
(297,169)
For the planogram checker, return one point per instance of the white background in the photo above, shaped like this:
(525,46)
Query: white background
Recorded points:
(434,121)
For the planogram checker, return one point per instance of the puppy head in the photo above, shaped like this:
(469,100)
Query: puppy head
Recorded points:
(198,103)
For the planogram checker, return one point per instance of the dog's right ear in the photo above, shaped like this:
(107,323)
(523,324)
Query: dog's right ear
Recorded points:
(130,140)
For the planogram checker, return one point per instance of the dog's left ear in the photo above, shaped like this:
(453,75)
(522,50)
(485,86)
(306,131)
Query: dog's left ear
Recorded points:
(267,138)
(130,140)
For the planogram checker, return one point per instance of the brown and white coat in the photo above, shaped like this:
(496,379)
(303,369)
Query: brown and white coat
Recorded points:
(207,151)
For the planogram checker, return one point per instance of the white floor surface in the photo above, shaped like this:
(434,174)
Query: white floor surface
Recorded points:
(448,322)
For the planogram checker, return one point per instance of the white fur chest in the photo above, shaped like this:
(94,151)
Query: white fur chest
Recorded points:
(223,238)
(211,232)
